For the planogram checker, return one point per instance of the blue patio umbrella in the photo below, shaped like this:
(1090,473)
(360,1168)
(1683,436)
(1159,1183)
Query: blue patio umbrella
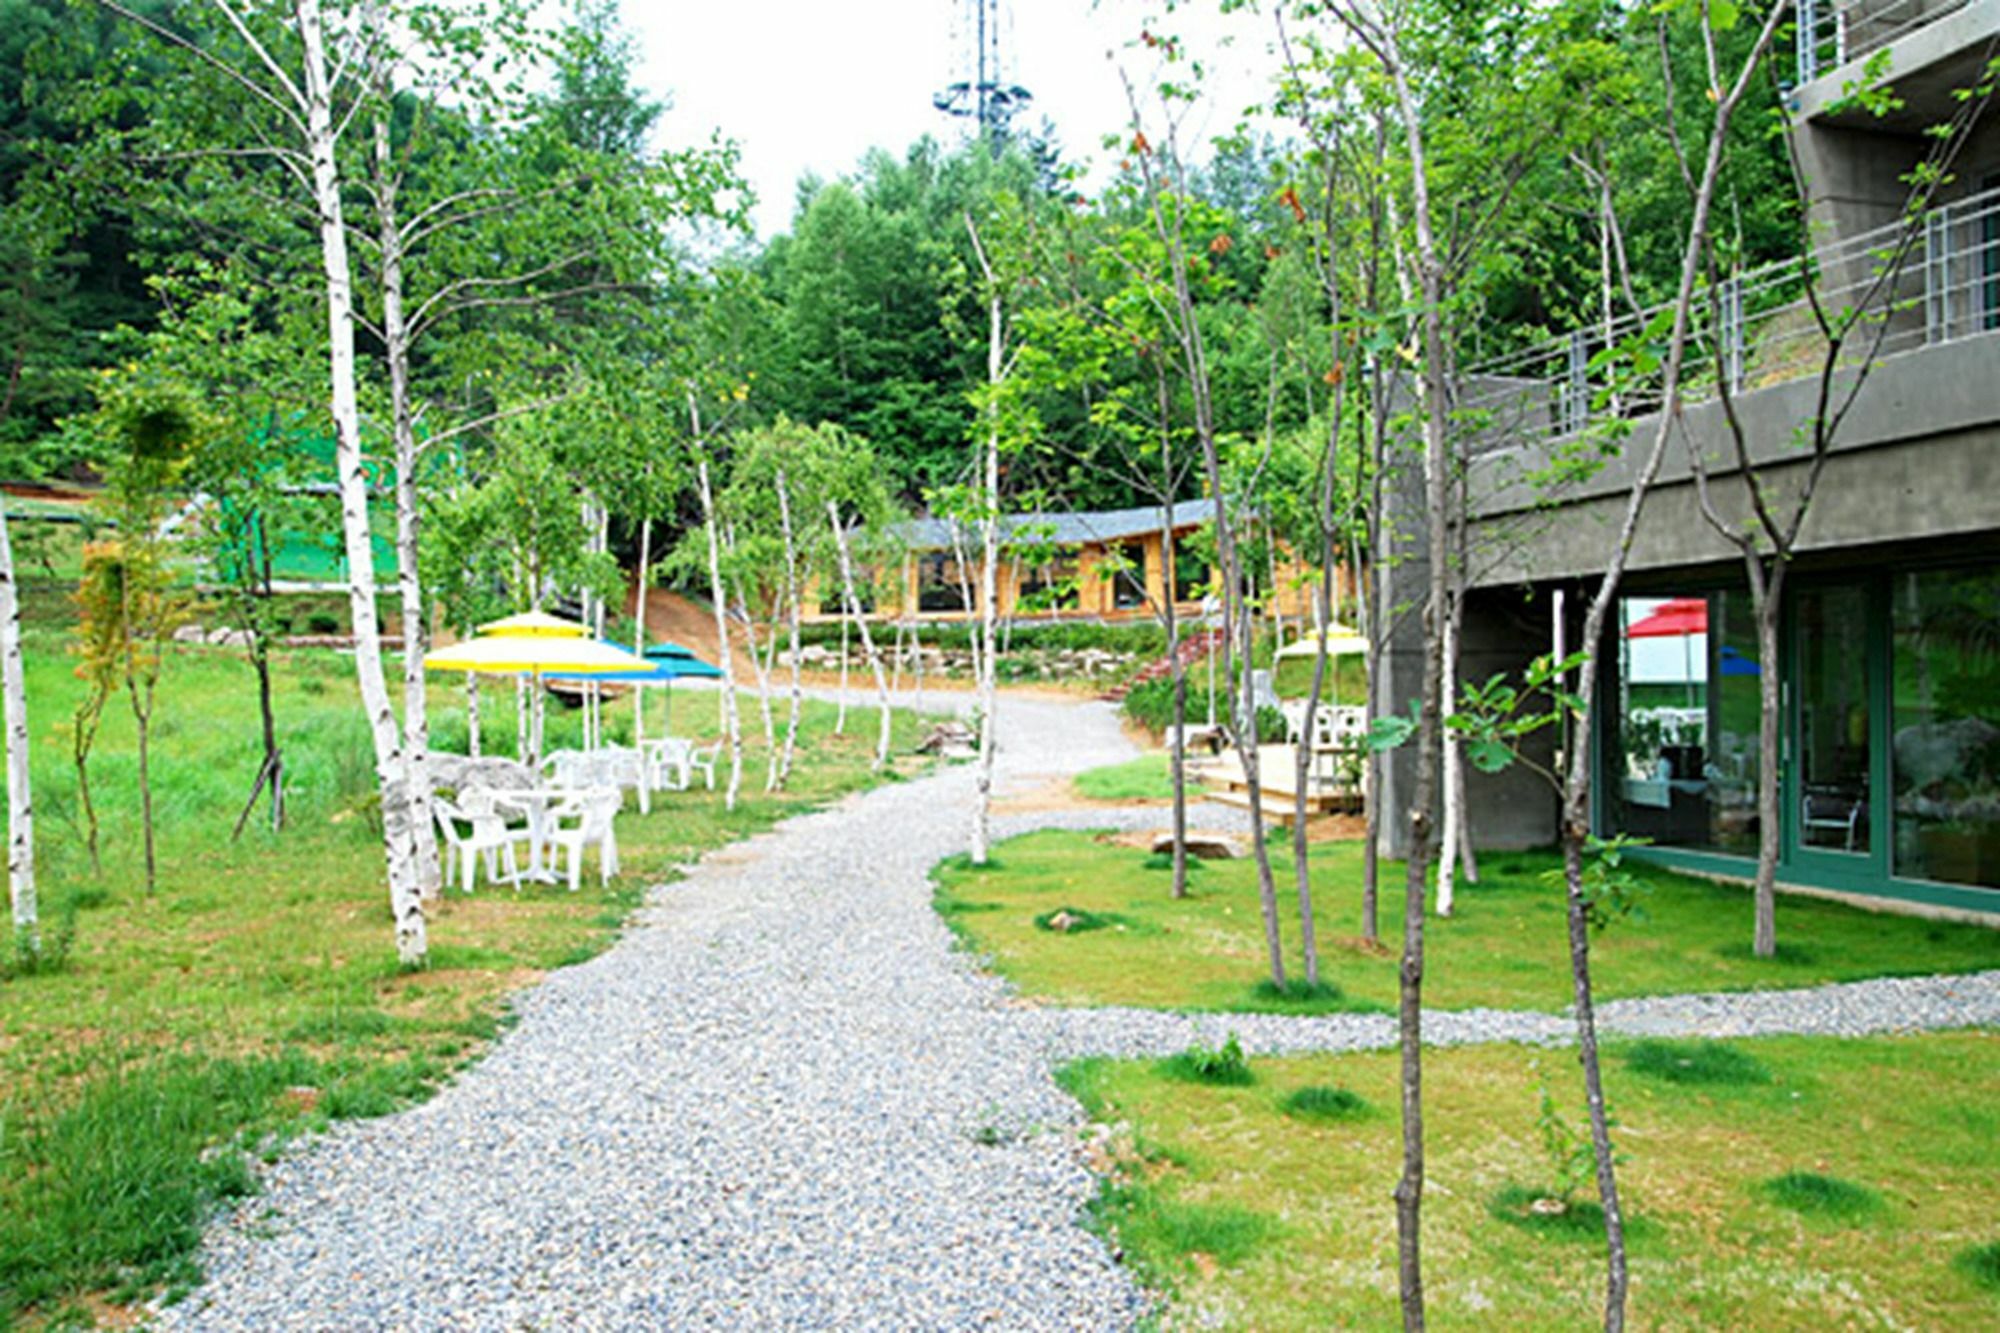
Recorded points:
(667,663)
(1735,663)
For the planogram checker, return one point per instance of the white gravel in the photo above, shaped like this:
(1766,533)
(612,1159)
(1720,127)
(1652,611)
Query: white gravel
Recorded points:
(771,1105)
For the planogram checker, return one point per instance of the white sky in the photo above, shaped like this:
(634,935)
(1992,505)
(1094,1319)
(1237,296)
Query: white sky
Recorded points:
(810,85)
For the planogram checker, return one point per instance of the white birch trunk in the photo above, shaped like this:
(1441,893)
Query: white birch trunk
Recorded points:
(792,613)
(840,716)
(762,660)
(405,892)
(521,718)
(732,721)
(409,587)
(861,624)
(20,809)
(639,626)
(989,596)
(1454,777)
(472,713)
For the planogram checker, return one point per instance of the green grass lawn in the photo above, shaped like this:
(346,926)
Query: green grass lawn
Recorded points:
(1505,946)
(1147,778)
(256,993)
(1852,1187)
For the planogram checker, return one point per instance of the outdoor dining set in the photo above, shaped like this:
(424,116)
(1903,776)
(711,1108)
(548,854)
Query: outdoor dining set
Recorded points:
(487,808)
(568,803)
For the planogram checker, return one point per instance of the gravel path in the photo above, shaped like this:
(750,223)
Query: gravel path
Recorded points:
(780,1101)
(783,1100)
(1844,1009)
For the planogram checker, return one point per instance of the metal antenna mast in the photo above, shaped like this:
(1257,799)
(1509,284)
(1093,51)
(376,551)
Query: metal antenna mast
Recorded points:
(983,96)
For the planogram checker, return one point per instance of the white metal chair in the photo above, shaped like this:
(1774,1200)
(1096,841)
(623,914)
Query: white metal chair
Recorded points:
(472,829)
(582,819)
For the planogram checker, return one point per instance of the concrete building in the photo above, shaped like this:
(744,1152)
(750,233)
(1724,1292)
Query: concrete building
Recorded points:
(1890,761)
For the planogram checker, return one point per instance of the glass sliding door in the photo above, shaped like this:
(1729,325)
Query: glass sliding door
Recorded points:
(1833,773)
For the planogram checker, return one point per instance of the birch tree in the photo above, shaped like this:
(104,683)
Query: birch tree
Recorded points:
(297,76)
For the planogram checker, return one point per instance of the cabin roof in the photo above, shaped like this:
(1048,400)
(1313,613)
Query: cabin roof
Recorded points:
(1071,528)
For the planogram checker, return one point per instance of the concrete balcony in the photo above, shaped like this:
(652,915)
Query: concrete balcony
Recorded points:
(1932,47)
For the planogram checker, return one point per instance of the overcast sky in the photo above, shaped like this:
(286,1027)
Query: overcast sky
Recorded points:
(810,85)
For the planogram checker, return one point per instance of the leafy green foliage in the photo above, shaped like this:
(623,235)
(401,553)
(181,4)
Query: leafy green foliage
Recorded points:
(1223,1066)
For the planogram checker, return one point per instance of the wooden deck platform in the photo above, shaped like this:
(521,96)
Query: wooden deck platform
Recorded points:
(1227,784)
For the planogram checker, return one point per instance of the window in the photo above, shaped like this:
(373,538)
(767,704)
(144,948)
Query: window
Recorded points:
(1049,587)
(1945,735)
(1128,585)
(1682,757)
(938,586)
(1191,569)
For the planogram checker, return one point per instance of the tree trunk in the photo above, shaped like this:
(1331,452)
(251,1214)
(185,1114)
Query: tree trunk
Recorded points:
(989,593)
(1766,607)
(1301,775)
(792,595)
(840,707)
(861,624)
(1593,1080)
(472,713)
(142,721)
(639,625)
(1430,729)
(761,663)
(409,587)
(1177,752)
(1454,779)
(25,912)
(732,721)
(405,894)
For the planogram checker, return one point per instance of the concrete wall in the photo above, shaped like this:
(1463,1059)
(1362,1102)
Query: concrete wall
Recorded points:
(1917,456)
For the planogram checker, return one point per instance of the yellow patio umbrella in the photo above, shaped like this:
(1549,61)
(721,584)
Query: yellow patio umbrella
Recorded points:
(535,624)
(1340,642)
(533,654)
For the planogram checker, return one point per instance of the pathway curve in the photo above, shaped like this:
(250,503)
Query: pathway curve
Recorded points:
(781,1100)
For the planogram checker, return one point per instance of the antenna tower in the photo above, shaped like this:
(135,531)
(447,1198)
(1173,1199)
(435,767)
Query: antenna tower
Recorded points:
(981,94)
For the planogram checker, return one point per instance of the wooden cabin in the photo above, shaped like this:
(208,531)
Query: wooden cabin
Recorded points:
(1098,566)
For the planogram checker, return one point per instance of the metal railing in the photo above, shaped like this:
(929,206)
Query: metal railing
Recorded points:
(1833,32)
(1903,286)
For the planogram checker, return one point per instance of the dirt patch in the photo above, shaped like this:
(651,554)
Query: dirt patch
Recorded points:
(1058,794)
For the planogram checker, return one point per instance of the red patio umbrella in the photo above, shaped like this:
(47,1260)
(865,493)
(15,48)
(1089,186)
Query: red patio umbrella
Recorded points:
(1677,617)
(1680,615)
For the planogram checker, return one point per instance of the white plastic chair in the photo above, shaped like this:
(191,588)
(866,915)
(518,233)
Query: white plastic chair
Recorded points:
(472,828)
(701,759)
(582,819)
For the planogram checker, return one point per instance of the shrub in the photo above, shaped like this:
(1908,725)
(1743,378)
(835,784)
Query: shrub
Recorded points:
(1297,990)
(1073,920)
(1821,1196)
(1708,1063)
(1323,1103)
(1981,1263)
(1223,1067)
(321,623)
(1155,1227)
